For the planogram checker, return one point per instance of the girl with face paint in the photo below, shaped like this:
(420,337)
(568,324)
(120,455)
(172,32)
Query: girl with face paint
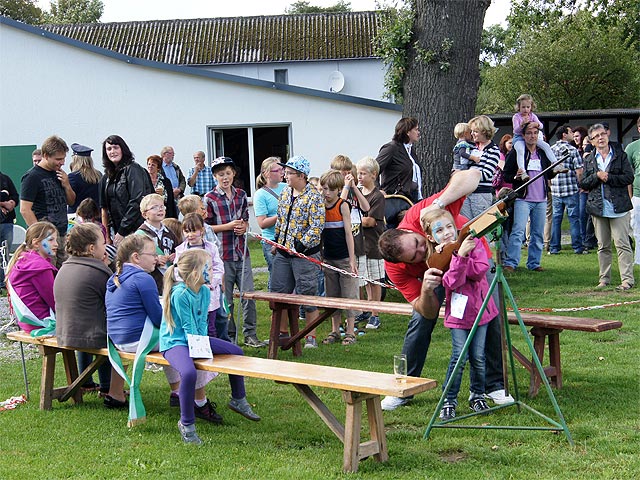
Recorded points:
(30,276)
(466,288)
(185,301)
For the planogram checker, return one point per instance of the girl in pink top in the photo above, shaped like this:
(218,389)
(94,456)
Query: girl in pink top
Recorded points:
(466,288)
(524,114)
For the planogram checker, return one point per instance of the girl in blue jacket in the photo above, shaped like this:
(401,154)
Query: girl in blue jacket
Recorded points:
(185,304)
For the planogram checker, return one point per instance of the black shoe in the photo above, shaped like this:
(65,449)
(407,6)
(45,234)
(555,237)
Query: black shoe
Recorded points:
(478,405)
(208,412)
(174,400)
(254,342)
(448,412)
(111,402)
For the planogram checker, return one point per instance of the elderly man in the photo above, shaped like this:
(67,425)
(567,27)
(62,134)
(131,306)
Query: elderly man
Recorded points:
(534,204)
(173,172)
(564,192)
(200,179)
(404,250)
(607,176)
(633,154)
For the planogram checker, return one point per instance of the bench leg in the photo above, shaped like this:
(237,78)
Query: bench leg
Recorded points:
(274,334)
(535,380)
(352,429)
(47,380)
(71,371)
(554,358)
(294,328)
(376,427)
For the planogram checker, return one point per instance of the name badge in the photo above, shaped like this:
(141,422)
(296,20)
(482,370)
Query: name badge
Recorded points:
(534,165)
(458,304)
(199,346)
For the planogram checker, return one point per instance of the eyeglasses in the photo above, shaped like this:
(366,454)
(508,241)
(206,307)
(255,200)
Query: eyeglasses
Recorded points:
(277,170)
(155,255)
(290,173)
(598,135)
(156,207)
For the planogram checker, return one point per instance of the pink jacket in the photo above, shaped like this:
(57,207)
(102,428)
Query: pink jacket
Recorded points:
(217,270)
(467,276)
(32,279)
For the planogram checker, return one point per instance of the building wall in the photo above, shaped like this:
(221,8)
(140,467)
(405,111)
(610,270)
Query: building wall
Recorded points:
(49,87)
(362,78)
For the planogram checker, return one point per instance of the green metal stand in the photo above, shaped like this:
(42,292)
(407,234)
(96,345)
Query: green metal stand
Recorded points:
(500,282)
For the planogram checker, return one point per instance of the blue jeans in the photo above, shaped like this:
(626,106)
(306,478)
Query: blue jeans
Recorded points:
(475,354)
(523,211)
(268,256)
(104,370)
(572,204)
(6,233)
(586,224)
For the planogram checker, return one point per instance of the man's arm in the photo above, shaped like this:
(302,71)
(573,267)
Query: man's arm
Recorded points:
(68,191)
(27,212)
(428,304)
(461,184)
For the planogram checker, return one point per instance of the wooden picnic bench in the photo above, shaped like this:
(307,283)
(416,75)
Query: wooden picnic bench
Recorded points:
(357,387)
(545,329)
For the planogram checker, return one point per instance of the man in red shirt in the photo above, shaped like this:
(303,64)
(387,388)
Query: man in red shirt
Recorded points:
(404,250)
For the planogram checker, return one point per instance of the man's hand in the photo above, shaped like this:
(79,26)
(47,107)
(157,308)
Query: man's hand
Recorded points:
(64,178)
(432,279)
(603,176)
(176,192)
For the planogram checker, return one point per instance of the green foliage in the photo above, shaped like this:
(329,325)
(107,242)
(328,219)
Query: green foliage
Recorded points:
(305,7)
(26,11)
(573,65)
(75,11)
(392,43)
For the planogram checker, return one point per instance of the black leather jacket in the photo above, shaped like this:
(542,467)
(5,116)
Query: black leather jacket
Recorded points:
(122,195)
(615,189)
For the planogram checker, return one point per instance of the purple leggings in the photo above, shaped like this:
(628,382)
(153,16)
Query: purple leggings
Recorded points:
(179,359)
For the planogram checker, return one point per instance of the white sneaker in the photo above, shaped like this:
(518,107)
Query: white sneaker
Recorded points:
(498,397)
(391,403)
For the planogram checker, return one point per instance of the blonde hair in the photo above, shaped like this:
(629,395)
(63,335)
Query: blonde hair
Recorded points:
(460,129)
(36,232)
(189,266)
(370,164)
(147,199)
(189,204)
(84,165)
(80,237)
(342,162)
(131,244)
(267,163)
(332,179)
(426,220)
(485,125)
(527,97)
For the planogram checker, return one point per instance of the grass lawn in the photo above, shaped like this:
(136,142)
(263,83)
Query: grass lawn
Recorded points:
(600,401)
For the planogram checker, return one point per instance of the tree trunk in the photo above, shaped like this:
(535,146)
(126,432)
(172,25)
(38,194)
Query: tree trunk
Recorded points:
(441,91)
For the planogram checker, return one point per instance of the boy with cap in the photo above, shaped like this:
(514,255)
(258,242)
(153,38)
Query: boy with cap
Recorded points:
(228,214)
(299,227)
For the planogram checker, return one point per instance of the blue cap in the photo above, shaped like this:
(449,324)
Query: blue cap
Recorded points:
(221,162)
(298,163)
(81,150)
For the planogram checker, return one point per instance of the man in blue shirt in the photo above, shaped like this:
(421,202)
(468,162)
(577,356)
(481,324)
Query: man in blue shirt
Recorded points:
(200,177)
(173,172)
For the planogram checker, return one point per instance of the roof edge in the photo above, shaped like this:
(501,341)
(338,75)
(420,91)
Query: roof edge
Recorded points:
(198,71)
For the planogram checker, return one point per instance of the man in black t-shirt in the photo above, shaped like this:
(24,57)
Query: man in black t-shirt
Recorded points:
(45,191)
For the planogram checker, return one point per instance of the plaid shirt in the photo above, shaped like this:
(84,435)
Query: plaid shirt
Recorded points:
(305,215)
(221,210)
(204,181)
(566,184)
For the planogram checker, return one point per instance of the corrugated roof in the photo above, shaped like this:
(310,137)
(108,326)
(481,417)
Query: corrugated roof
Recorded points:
(208,41)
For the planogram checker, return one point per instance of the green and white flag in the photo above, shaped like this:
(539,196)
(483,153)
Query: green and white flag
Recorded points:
(25,315)
(148,340)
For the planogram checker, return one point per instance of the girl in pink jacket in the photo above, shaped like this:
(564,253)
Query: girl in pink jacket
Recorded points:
(30,274)
(466,288)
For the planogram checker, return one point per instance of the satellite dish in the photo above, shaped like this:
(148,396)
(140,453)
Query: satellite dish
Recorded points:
(336,82)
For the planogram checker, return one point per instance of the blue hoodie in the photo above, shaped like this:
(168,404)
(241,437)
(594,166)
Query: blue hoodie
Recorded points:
(130,304)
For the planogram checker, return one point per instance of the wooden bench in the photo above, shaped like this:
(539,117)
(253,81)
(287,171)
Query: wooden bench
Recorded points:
(357,387)
(544,327)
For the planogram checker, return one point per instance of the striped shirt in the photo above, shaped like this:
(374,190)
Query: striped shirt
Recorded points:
(487,166)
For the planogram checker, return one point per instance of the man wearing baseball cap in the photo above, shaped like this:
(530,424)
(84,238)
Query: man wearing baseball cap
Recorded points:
(298,227)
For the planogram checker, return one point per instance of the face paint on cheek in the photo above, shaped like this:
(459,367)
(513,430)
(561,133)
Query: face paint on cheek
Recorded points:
(435,227)
(205,275)
(46,246)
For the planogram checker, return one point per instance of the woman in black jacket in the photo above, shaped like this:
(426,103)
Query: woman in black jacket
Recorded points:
(121,189)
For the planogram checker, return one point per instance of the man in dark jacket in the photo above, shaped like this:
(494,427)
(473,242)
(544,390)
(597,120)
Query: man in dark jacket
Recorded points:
(607,176)
(8,202)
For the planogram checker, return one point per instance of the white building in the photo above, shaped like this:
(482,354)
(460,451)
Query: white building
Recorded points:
(52,84)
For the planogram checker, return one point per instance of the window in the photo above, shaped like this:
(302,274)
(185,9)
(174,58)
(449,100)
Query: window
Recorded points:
(281,76)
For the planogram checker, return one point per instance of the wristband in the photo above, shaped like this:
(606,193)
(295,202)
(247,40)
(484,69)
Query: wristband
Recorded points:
(438,203)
